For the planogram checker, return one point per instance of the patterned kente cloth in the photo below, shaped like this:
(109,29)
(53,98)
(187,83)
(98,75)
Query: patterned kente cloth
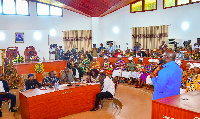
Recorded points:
(140,68)
(194,83)
(95,65)
(149,68)
(120,65)
(11,76)
(196,56)
(185,76)
(86,65)
(108,67)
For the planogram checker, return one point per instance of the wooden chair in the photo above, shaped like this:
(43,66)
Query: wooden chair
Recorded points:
(27,52)
(145,50)
(45,74)
(12,52)
(24,78)
(61,73)
(115,101)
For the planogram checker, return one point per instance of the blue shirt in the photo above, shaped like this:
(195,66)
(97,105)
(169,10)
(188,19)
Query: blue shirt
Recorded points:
(168,82)
(100,48)
(136,49)
(110,49)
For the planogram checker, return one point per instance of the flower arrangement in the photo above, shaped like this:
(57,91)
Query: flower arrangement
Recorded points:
(34,58)
(18,59)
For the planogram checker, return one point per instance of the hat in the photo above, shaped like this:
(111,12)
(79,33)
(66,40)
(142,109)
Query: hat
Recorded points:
(151,60)
(155,49)
(130,58)
(196,65)
(156,60)
(105,57)
(191,66)
(30,75)
(119,56)
(94,57)
(141,59)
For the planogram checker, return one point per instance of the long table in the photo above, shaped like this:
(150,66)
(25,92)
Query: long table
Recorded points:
(183,106)
(53,104)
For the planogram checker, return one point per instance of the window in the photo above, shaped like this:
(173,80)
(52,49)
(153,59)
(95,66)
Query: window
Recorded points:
(195,0)
(44,9)
(148,5)
(9,7)
(182,2)
(175,3)
(22,7)
(56,11)
(169,3)
(136,7)
(14,7)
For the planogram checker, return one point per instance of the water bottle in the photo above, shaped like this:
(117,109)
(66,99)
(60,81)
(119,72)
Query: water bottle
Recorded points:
(55,85)
(81,79)
(24,87)
(99,106)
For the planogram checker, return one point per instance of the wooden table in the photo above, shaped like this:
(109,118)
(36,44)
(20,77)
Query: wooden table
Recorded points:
(184,106)
(53,104)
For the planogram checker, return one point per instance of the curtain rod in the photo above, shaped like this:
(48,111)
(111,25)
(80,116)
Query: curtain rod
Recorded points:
(167,25)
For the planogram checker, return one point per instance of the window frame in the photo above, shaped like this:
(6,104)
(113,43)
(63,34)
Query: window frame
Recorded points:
(176,4)
(49,10)
(143,6)
(15,9)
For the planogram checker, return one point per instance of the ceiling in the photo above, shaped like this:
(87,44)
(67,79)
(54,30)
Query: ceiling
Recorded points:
(90,8)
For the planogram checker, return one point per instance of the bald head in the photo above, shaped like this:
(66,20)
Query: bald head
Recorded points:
(169,56)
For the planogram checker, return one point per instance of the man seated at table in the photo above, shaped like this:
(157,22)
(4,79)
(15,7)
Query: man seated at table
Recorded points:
(31,82)
(101,48)
(196,54)
(95,64)
(51,79)
(67,76)
(179,54)
(4,93)
(110,48)
(141,53)
(155,54)
(77,72)
(107,89)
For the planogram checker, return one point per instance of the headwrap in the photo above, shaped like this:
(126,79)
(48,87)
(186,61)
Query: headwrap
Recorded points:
(30,75)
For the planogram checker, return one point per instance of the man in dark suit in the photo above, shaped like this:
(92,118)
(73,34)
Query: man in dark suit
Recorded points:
(4,93)
(77,72)
(31,83)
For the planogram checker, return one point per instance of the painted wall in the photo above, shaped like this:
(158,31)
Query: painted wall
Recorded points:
(9,24)
(174,17)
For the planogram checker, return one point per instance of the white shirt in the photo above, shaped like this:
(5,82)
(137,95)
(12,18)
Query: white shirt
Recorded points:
(52,56)
(1,87)
(109,86)
(77,74)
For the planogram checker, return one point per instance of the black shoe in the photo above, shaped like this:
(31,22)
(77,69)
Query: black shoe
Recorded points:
(12,110)
(93,109)
(0,114)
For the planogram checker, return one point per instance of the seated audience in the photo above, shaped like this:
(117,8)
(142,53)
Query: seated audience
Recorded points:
(107,66)
(130,67)
(51,79)
(141,53)
(60,53)
(163,47)
(116,53)
(111,48)
(4,93)
(86,64)
(119,67)
(155,54)
(95,64)
(179,54)
(31,82)
(89,56)
(196,54)
(67,76)
(93,76)
(101,48)
(194,83)
(186,74)
(107,89)
(94,51)
(77,72)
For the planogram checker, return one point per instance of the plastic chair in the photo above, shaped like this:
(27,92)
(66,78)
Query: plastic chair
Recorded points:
(6,100)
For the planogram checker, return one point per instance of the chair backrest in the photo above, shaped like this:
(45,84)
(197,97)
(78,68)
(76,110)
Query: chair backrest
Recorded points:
(24,78)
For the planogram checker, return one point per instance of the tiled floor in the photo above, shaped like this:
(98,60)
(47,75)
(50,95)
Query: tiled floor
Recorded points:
(136,105)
